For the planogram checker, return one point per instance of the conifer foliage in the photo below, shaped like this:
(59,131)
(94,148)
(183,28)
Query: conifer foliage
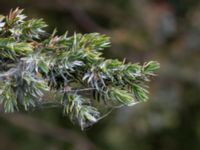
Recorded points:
(34,63)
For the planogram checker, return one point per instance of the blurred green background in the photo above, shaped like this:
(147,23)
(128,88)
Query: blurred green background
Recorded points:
(141,30)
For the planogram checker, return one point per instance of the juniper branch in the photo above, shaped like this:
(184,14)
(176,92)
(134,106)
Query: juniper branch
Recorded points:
(33,62)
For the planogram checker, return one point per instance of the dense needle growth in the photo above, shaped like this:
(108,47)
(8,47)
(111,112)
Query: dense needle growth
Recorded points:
(34,63)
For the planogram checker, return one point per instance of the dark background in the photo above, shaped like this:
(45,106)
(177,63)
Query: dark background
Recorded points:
(141,30)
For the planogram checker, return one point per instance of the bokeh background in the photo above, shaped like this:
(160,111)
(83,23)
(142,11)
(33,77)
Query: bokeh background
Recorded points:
(141,30)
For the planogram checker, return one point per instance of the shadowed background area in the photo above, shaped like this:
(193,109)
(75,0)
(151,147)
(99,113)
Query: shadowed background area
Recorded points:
(167,31)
